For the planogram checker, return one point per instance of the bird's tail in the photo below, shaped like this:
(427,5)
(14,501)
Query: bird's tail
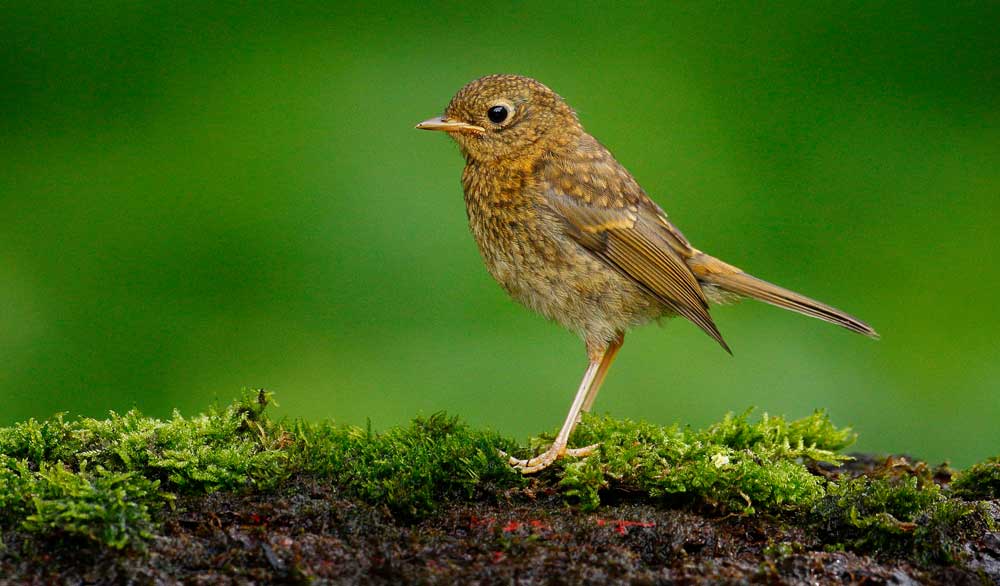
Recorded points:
(713,271)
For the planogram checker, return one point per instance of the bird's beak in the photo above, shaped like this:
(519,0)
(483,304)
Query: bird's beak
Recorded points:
(448,125)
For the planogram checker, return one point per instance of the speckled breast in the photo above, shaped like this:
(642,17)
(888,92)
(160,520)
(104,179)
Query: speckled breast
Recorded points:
(525,248)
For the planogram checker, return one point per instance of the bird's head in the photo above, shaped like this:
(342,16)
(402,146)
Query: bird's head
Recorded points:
(500,117)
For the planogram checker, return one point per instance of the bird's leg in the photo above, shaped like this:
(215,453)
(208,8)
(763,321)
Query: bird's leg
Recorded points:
(606,359)
(600,359)
(558,447)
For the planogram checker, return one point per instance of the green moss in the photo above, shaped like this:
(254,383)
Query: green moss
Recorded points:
(107,507)
(16,487)
(981,481)
(228,448)
(100,480)
(62,477)
(874,513)
(412,469)
(736,464)
(97,505)
(898,516)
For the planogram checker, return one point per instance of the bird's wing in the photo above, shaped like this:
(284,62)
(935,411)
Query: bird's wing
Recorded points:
(637,240)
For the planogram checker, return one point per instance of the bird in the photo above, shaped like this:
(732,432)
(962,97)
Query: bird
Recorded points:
(567,231)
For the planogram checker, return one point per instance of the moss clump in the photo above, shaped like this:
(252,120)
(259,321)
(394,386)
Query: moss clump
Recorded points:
(226,448)
(737,464)
(873,513)
(410,469)
(102,480)
(898,512)
(112,508)
(981,481)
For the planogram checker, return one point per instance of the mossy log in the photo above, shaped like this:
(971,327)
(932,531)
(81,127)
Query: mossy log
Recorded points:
(234,495)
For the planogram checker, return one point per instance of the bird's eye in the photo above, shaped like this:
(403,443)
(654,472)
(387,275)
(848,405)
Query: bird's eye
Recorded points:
(497,114)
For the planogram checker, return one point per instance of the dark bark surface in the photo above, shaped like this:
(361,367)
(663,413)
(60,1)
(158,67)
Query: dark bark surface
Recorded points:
(308,533)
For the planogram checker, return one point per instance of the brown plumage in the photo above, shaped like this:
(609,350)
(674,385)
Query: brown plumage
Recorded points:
(568,232)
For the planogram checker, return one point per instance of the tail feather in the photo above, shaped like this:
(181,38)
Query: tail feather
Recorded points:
(729,278)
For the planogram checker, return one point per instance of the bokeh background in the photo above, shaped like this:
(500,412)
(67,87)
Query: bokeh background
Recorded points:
(199,197)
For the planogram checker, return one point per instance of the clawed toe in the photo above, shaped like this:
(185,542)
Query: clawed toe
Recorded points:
(581,452)
(545,459)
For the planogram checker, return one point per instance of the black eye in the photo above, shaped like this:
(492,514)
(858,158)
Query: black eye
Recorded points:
(497,114)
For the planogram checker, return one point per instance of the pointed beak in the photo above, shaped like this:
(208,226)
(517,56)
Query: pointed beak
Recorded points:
(448,125)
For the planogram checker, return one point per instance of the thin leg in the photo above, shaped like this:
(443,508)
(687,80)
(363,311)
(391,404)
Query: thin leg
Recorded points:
(591,378)
(602,371)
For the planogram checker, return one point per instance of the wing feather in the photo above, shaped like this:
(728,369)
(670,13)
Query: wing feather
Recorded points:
(640,243)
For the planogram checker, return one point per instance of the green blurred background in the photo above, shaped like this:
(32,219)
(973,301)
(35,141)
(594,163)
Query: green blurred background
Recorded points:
(201,197)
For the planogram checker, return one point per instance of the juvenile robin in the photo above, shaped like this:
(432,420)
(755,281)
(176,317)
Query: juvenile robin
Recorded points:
(567,231)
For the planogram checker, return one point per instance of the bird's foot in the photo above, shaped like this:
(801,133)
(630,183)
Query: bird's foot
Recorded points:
(545,459)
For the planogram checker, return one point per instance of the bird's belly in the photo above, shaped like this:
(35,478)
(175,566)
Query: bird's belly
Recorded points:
(553,275)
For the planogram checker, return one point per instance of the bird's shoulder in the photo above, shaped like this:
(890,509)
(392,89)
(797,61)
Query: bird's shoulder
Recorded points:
(587,184)
(586,170)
